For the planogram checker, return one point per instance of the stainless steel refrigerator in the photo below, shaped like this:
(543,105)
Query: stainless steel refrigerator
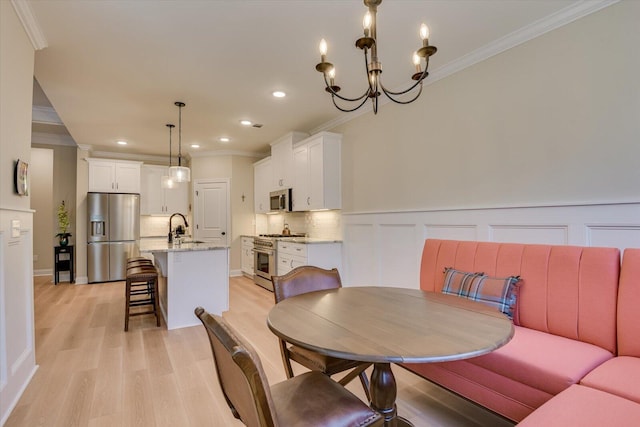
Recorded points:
(113,234)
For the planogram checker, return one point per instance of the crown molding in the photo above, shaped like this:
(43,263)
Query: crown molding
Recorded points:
(126,156)
(217,153)
(535,29)
(30,23)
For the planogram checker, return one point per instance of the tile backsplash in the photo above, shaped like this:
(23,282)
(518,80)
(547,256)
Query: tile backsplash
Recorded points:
(320,224)
(155,226)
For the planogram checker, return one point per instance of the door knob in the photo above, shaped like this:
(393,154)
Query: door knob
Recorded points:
(223,233)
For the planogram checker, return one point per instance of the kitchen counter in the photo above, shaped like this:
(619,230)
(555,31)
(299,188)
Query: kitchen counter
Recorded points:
(308,240)
(191,275)
(304,240)
(157,245)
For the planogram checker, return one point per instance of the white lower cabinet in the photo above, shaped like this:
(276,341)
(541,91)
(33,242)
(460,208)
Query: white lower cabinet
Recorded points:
(247,256)
(322,254)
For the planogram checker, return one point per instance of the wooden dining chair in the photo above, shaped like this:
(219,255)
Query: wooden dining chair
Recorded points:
(310,399)
(299,281)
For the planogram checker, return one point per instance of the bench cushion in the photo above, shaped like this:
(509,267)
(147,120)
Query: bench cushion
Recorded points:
(620,375)
(585,407)
(544,361)
(520,376)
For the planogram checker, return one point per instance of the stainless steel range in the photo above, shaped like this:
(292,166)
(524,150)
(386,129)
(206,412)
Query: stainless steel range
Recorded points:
(265,258)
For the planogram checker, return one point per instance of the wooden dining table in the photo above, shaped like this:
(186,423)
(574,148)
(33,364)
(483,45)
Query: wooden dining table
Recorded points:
(385,325)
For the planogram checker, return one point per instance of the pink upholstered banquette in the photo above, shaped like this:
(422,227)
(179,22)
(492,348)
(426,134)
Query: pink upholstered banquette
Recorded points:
(565,320)
(610,394)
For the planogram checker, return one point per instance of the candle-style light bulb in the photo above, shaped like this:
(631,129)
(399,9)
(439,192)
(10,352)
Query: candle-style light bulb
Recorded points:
(416,62)
(323,47)
(332,76)
(323,50)
(424,32)
(366,24)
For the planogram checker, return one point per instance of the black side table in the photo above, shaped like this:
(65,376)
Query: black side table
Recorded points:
(64,263)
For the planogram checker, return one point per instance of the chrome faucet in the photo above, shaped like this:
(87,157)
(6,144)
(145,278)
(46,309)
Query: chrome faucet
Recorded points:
(186,224)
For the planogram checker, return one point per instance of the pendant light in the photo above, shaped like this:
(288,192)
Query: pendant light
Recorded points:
(167,182)
(180,173)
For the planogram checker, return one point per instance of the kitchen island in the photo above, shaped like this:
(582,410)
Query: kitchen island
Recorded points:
(191,275)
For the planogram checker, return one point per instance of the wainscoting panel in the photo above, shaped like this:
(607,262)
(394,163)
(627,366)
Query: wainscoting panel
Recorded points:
(361,260)
(621,236)
(397,258)
(384,248)
(544,234)
(455,232)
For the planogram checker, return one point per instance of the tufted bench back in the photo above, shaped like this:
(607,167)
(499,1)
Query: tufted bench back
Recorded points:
(569,291)
(629,304)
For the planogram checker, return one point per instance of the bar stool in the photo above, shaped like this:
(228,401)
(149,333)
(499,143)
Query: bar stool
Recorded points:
(142,285)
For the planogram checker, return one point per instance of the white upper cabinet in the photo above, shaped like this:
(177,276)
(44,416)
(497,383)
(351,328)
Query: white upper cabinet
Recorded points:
(155,200)
(282,160)
(114,176)
(262,185)
(317,173)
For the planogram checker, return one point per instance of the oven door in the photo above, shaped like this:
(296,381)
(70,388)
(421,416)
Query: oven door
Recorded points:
(264,267)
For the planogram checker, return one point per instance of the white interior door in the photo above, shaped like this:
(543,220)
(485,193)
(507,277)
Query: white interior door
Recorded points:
(211,214)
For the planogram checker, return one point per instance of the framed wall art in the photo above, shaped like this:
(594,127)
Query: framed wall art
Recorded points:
(21,178)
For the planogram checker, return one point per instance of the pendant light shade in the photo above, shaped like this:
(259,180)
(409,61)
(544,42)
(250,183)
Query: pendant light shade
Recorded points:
(180,173)
(167,181)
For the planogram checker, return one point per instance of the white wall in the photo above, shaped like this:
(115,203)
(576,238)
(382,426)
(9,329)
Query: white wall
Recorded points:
(554,120)
(45,224)
(17,344)
(538,144)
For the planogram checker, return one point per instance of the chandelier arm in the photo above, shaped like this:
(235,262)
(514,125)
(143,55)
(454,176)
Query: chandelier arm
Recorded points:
(413,86)
(345,110)
(333,93)
(407,101)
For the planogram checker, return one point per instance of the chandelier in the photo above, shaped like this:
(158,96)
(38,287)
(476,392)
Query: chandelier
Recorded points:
(167,182)
(368,44)
(180,173)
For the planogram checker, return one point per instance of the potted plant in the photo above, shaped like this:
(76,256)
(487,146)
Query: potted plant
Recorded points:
(63,224)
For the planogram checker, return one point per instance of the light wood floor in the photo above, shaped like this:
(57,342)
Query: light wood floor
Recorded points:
(92,373)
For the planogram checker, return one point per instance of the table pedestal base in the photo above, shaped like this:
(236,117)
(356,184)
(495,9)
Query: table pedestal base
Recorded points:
(383,395)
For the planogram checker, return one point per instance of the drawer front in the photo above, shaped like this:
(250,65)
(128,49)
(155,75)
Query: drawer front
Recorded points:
(247,241)
(297,249)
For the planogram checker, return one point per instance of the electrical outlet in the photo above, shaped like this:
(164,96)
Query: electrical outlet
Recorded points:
(35,258)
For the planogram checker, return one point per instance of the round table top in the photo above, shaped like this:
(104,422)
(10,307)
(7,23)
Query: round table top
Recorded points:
(382,324)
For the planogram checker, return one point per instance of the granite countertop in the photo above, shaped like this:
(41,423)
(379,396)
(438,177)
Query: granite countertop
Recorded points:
(164,246)
(304,240)
(308,240)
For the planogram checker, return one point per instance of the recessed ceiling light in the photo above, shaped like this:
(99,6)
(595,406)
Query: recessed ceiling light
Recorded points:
(122,142)
(279,94)
(245,122)
(224,139)
(195,145)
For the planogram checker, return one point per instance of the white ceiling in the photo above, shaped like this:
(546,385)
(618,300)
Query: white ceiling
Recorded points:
(113,69)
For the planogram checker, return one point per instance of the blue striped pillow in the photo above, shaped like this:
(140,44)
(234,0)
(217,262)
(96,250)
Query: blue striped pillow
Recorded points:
(494,291)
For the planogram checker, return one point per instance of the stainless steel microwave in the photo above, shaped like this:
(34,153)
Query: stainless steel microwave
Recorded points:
(280,201)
